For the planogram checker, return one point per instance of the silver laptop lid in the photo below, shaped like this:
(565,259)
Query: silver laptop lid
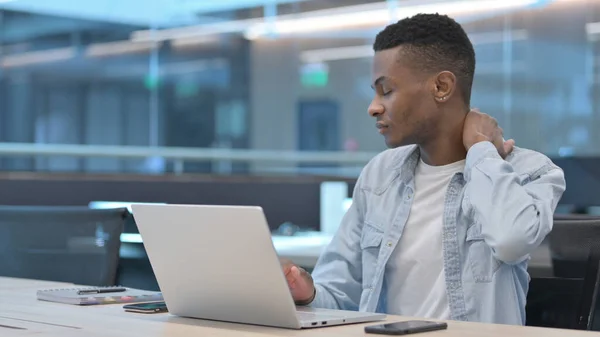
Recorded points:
(217,263)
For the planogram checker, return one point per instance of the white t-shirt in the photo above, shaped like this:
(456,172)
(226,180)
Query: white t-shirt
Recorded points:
(415,271)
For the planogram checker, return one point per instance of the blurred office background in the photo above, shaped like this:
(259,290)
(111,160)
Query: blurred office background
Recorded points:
(267,87)
(261,102)
(288,76)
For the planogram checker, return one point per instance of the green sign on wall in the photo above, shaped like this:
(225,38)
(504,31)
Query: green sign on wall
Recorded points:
(314,75)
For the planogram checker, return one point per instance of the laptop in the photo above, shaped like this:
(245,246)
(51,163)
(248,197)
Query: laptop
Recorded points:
(219,263)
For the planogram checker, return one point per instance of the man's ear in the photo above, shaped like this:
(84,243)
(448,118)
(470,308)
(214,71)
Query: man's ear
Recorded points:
(444,85)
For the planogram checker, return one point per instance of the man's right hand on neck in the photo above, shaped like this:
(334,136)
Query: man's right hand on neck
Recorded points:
(480,127)
(300,282)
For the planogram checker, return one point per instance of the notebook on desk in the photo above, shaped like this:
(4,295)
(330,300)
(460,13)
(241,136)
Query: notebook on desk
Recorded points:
(98,295)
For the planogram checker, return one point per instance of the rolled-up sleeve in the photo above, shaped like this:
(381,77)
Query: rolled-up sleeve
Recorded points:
(515,216)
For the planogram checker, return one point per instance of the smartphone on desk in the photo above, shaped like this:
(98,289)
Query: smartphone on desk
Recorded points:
(405,328)
(146,308)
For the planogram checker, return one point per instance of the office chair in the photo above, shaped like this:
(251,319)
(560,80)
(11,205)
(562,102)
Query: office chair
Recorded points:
(65,244)
(568,300)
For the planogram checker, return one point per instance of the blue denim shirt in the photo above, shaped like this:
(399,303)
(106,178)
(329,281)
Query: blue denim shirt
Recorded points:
(496,213)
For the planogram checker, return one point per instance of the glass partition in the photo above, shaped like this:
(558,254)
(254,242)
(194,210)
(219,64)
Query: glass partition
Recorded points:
(266,87)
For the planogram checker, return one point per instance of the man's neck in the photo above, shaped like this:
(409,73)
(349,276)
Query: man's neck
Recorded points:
(443,153)
(447,147)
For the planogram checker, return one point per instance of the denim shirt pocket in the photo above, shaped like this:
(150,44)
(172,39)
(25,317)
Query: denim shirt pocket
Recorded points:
(370,244)
(480,258)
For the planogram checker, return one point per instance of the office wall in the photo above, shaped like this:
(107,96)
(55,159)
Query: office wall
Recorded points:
(276,90)
(541,87)
(74,112)
(97,94)
(233,92)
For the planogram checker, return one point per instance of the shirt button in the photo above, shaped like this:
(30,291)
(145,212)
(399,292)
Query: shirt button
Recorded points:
(408,196)
(389,244)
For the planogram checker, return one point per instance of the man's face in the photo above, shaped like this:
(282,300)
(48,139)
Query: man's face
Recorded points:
(403,104)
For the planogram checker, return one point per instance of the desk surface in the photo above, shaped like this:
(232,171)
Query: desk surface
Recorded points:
(19,308)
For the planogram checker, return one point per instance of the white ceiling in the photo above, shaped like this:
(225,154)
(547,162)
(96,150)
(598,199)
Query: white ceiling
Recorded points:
(161,13)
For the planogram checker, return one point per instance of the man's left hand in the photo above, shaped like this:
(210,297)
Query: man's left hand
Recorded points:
(480,127)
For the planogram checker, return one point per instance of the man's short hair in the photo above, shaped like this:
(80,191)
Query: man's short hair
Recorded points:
(434,43)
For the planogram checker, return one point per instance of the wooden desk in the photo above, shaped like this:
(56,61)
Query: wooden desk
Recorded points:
(19,308)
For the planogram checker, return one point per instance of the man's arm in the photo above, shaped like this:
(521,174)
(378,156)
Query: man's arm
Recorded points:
(514,218)
(338,273)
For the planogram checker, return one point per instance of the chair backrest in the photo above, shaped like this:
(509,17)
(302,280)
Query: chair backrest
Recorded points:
(570,243)
(575,250)
(66,244)
(589,295)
